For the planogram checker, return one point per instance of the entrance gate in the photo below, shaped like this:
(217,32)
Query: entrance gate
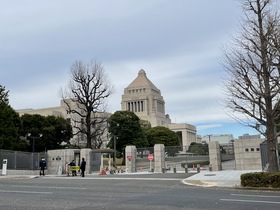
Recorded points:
(142,161)
(227,156)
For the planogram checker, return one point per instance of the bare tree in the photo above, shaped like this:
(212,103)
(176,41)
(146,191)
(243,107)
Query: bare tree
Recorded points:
(85,98)
(253,69)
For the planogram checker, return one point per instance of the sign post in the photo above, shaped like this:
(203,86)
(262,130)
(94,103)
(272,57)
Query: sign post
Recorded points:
(129,158)
(150,158)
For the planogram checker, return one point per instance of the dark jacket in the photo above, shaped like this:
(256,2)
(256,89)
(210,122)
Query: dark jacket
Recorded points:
(83,165)
(43,164)
(72,163)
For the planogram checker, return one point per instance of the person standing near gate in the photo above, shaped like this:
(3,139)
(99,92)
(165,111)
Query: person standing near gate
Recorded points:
(72,168)
(43,166)
(83,167)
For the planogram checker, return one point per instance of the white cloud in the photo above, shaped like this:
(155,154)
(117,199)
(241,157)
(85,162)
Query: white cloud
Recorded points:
(204,127)
(176,42)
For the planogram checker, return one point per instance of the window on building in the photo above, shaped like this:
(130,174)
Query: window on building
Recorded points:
(138,106)
(142,106)
(246,150)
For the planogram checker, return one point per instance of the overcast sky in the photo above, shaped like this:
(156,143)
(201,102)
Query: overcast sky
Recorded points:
(178,43)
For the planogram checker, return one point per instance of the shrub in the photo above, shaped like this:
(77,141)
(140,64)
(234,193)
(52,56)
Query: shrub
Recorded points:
(261,179)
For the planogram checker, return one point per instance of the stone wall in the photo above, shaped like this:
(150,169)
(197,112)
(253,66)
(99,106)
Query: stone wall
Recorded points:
(215,155)
(159,157)
(130,155)
(247,154)
(58,160)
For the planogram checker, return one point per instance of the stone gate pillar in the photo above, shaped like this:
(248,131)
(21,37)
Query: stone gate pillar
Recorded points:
(215,155)
(159,157)
(130,162)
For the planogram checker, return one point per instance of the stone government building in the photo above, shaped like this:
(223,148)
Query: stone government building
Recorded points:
(141,97)
(144,99)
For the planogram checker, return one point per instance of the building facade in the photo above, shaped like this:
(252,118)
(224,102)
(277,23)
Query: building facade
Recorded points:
(221,138)
(143,98)
(79,139)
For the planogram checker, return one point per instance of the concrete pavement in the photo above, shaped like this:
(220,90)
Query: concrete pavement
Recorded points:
(224,178)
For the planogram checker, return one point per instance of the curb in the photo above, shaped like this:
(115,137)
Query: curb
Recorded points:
(206,184)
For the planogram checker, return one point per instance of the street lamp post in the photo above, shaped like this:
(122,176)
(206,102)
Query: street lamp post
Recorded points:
(115,147)
(114,160)
(33,140)
(209,137)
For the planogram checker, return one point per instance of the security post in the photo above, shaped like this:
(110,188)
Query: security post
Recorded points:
(4,167)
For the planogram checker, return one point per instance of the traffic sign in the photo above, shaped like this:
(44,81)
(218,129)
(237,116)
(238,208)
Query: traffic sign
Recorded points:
(129,158)
(150,157)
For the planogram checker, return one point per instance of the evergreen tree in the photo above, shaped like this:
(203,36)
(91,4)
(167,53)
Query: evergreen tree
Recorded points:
(162,135)
(45,133)
(125,129)
(9,124)
(4,95)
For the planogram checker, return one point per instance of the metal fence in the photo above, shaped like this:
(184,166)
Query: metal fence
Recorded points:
(175,157)
(180,156)
(142,160)
(17,160)
(264,155)
(227,156)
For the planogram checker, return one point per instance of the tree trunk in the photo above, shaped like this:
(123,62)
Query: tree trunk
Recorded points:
(271,150)
(88,131)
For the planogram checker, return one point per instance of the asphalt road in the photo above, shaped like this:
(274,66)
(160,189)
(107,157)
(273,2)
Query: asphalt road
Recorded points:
(158,191)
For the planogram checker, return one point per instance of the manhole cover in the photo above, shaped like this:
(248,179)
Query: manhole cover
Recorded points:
(210,175)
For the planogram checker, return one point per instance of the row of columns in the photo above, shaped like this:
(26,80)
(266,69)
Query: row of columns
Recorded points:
(135,106)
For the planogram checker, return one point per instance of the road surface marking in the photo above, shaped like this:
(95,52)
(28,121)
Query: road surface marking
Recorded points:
(26,192)
(258,196)
(124,178)
(250,201)
(71,188)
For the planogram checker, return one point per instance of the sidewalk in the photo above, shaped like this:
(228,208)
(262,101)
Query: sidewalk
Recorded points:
(224,178)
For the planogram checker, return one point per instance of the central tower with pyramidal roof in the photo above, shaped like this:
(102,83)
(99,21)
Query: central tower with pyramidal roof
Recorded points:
(144,99)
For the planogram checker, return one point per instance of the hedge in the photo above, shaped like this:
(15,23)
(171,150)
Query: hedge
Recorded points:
(261,179)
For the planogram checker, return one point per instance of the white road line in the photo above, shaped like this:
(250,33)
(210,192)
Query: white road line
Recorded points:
(123,178)
(71,188)
(258,196)
(148,179)
(26,192)
(250,201)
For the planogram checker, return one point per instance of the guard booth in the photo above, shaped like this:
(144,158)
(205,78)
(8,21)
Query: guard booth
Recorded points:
(4,167)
